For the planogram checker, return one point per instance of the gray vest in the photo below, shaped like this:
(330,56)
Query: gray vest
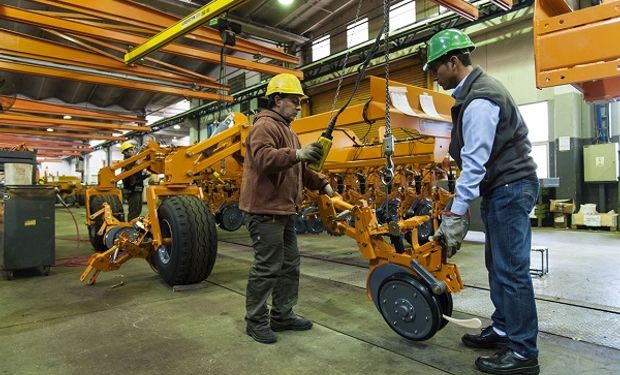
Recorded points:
(510,158)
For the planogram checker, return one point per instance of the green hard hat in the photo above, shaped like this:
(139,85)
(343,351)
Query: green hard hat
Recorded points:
(445,41)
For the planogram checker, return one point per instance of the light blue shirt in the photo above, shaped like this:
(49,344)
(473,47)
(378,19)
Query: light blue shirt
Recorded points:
(480,121)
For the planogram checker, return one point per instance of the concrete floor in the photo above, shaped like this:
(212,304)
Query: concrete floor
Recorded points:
(55,325)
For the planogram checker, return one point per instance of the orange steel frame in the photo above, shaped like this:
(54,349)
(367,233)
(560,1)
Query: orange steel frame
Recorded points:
(37,19)
(181,167)
(153,20)
(345,155)
(578,47)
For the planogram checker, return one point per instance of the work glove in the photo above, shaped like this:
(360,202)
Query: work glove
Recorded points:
(311,153)
(451,232)
(328,190)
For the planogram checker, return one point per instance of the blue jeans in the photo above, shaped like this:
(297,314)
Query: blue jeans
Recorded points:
(505,213)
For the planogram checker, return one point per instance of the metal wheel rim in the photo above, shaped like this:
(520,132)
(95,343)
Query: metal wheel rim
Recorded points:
(164,252)
(232,218)
(408,308)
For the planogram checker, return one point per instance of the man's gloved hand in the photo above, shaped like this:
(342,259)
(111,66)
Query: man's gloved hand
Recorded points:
(328,190)
(311,153)
(451,232)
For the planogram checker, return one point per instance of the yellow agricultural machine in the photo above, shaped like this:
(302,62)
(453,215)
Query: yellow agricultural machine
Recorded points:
(178,235)
(409,278)
(69,188)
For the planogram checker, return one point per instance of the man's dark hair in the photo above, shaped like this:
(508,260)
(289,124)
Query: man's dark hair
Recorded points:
(271,100)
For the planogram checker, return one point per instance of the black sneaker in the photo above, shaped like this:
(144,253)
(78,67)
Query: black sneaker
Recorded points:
(506,362)
(487,339)
(264,335)
(293,324)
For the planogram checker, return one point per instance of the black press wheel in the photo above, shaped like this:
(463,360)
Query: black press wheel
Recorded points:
(96,203)
(231,217)
(189,237)
(409,307)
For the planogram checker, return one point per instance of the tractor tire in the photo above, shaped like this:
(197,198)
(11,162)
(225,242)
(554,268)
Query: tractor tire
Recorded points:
(189,255)
(96,203)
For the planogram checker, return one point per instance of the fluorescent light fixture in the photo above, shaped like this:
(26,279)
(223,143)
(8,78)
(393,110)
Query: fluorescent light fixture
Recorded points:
(285,2)
(67,117)
(50,130)
(177,127)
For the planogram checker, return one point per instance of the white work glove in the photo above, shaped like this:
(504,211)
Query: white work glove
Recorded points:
(327,189)
(311,153)
(451,232)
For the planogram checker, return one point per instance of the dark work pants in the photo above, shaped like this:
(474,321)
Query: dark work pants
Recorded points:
(275,270)
(134,201)
(505,212)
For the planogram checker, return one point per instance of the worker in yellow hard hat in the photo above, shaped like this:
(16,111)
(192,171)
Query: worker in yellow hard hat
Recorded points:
(490,145)
(132,185)
(274,175)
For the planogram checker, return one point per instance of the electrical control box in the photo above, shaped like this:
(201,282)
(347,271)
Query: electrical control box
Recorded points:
(600,162)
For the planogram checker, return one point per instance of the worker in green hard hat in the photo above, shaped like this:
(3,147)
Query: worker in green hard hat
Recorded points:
(490,145)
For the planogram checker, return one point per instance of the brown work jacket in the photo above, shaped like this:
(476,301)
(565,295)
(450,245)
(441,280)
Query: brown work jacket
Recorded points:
(273,179)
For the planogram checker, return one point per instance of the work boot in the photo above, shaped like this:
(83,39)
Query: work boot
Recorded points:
(264,335)
(292,324)
(507,362)
(487,339)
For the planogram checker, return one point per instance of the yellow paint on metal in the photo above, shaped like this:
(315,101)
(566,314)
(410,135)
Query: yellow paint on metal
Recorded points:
(184,26)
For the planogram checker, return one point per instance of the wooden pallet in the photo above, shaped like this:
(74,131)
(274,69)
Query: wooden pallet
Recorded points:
(611,229)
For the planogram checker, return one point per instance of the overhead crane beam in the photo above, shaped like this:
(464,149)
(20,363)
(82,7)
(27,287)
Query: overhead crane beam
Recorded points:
(102,79)
(34,106)
(60,135)
(32,18)
(17,44)
(137,14)
(36,125)
(47,141)
(37,146)
(180,28)
(179,69)
(85,125)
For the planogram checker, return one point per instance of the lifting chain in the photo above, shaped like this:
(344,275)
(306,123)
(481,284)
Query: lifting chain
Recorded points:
(387,176)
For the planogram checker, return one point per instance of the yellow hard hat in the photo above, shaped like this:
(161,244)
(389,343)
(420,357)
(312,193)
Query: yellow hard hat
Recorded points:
(127,145)
(284,83)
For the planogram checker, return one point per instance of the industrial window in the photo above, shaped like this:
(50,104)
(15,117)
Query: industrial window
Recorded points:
(237,83)
(536,117)
(320,48)
(402,14)
(357,33)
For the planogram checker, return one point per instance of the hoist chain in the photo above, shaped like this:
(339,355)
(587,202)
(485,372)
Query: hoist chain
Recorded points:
(387,176)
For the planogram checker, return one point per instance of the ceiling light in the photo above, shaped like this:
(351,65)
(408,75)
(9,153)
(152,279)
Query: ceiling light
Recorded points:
(50,129)
(285,2)
(177,127)
(67,117)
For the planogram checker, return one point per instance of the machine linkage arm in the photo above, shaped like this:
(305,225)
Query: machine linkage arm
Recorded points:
(370,236)
(129,240)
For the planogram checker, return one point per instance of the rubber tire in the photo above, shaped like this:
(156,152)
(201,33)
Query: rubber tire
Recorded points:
(96,203)
(192,253)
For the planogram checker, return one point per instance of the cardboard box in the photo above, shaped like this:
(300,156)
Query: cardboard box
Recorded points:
(566,206)
(560,220)
(609,220)
(596,220)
